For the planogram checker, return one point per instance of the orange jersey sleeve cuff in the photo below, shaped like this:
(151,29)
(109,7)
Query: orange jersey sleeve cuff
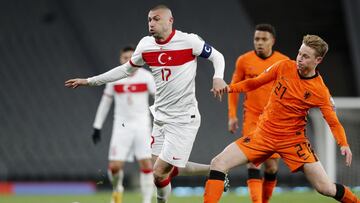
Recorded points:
(233,100)
(339,135)
(235,88)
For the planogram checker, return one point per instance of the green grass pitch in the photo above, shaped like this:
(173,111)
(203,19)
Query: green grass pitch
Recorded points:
(133,197)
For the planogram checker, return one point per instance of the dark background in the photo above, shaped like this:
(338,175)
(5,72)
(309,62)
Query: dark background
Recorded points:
(45,129)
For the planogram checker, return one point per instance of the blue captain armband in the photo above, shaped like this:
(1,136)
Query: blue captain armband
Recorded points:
(206,52)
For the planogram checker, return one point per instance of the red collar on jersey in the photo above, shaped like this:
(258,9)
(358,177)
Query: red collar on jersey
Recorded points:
(168,39)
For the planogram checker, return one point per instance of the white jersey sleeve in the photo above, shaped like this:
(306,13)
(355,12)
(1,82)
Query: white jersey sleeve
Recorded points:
(112,75)
(122,71)
(204,50)
(136,59)
(104,106)
(151,84)
(196,43)
(109,90)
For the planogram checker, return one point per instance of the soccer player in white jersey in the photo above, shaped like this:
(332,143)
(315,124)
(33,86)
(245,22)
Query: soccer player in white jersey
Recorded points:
(172,57)
(131,127)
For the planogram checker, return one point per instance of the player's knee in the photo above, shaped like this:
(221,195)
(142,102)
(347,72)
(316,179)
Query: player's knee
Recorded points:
(271,166)
(159,176)
(326,189)
(114,168)
(271,169)
(218,164)
(253,166)
(145,164)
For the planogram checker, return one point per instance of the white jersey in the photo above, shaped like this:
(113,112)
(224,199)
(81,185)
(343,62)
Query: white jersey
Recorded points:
(131,97)
(173,64)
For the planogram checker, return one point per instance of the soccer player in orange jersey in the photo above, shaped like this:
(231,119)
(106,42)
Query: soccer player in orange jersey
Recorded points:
(297,87)
(250,65)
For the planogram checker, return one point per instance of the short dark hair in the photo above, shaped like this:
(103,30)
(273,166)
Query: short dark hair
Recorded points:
(267,28)
(160,6)
(127,48)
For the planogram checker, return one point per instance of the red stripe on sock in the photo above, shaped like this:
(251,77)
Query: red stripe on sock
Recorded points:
(146,171)
(174,172)
(161,184)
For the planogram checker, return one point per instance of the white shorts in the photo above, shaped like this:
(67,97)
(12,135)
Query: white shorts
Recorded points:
(173,142)
(129,140)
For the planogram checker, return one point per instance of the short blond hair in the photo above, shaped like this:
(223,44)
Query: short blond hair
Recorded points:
(318,44)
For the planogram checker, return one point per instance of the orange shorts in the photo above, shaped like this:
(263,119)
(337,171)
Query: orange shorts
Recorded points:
(249,126)
(295,150)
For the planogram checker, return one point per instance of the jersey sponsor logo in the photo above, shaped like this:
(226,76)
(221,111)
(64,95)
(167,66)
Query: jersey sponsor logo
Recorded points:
(307,94)
(168,58)
(206,52)
(176,158)
(123,88)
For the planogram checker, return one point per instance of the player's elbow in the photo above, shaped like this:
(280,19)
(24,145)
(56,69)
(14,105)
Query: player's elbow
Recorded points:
(221,57)
(333,122)
(216,55)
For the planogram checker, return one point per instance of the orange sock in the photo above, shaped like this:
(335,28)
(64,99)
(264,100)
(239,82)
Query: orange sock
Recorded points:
(213,191)
(268,188)
(349,197)
(255,189)
(214,187)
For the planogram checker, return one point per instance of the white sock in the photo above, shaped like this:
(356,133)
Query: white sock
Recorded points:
(116,181)
(163,193)
(147,186)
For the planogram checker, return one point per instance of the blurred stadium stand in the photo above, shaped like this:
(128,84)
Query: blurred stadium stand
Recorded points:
(45,128)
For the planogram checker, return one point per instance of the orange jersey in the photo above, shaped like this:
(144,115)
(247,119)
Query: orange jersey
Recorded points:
(249,65)
(290,100)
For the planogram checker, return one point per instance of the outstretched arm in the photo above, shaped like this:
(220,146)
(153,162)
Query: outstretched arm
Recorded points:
(328,111)
(219,85)
(204,50)
(233,99)
(102,111)
(218,61)
(101,114)
(267,76)
(114,74)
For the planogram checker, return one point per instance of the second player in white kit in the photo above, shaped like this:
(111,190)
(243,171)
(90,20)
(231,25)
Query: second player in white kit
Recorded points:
(131,129)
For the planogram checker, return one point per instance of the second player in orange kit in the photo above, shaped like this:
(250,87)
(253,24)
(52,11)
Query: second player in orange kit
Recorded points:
(250,65)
